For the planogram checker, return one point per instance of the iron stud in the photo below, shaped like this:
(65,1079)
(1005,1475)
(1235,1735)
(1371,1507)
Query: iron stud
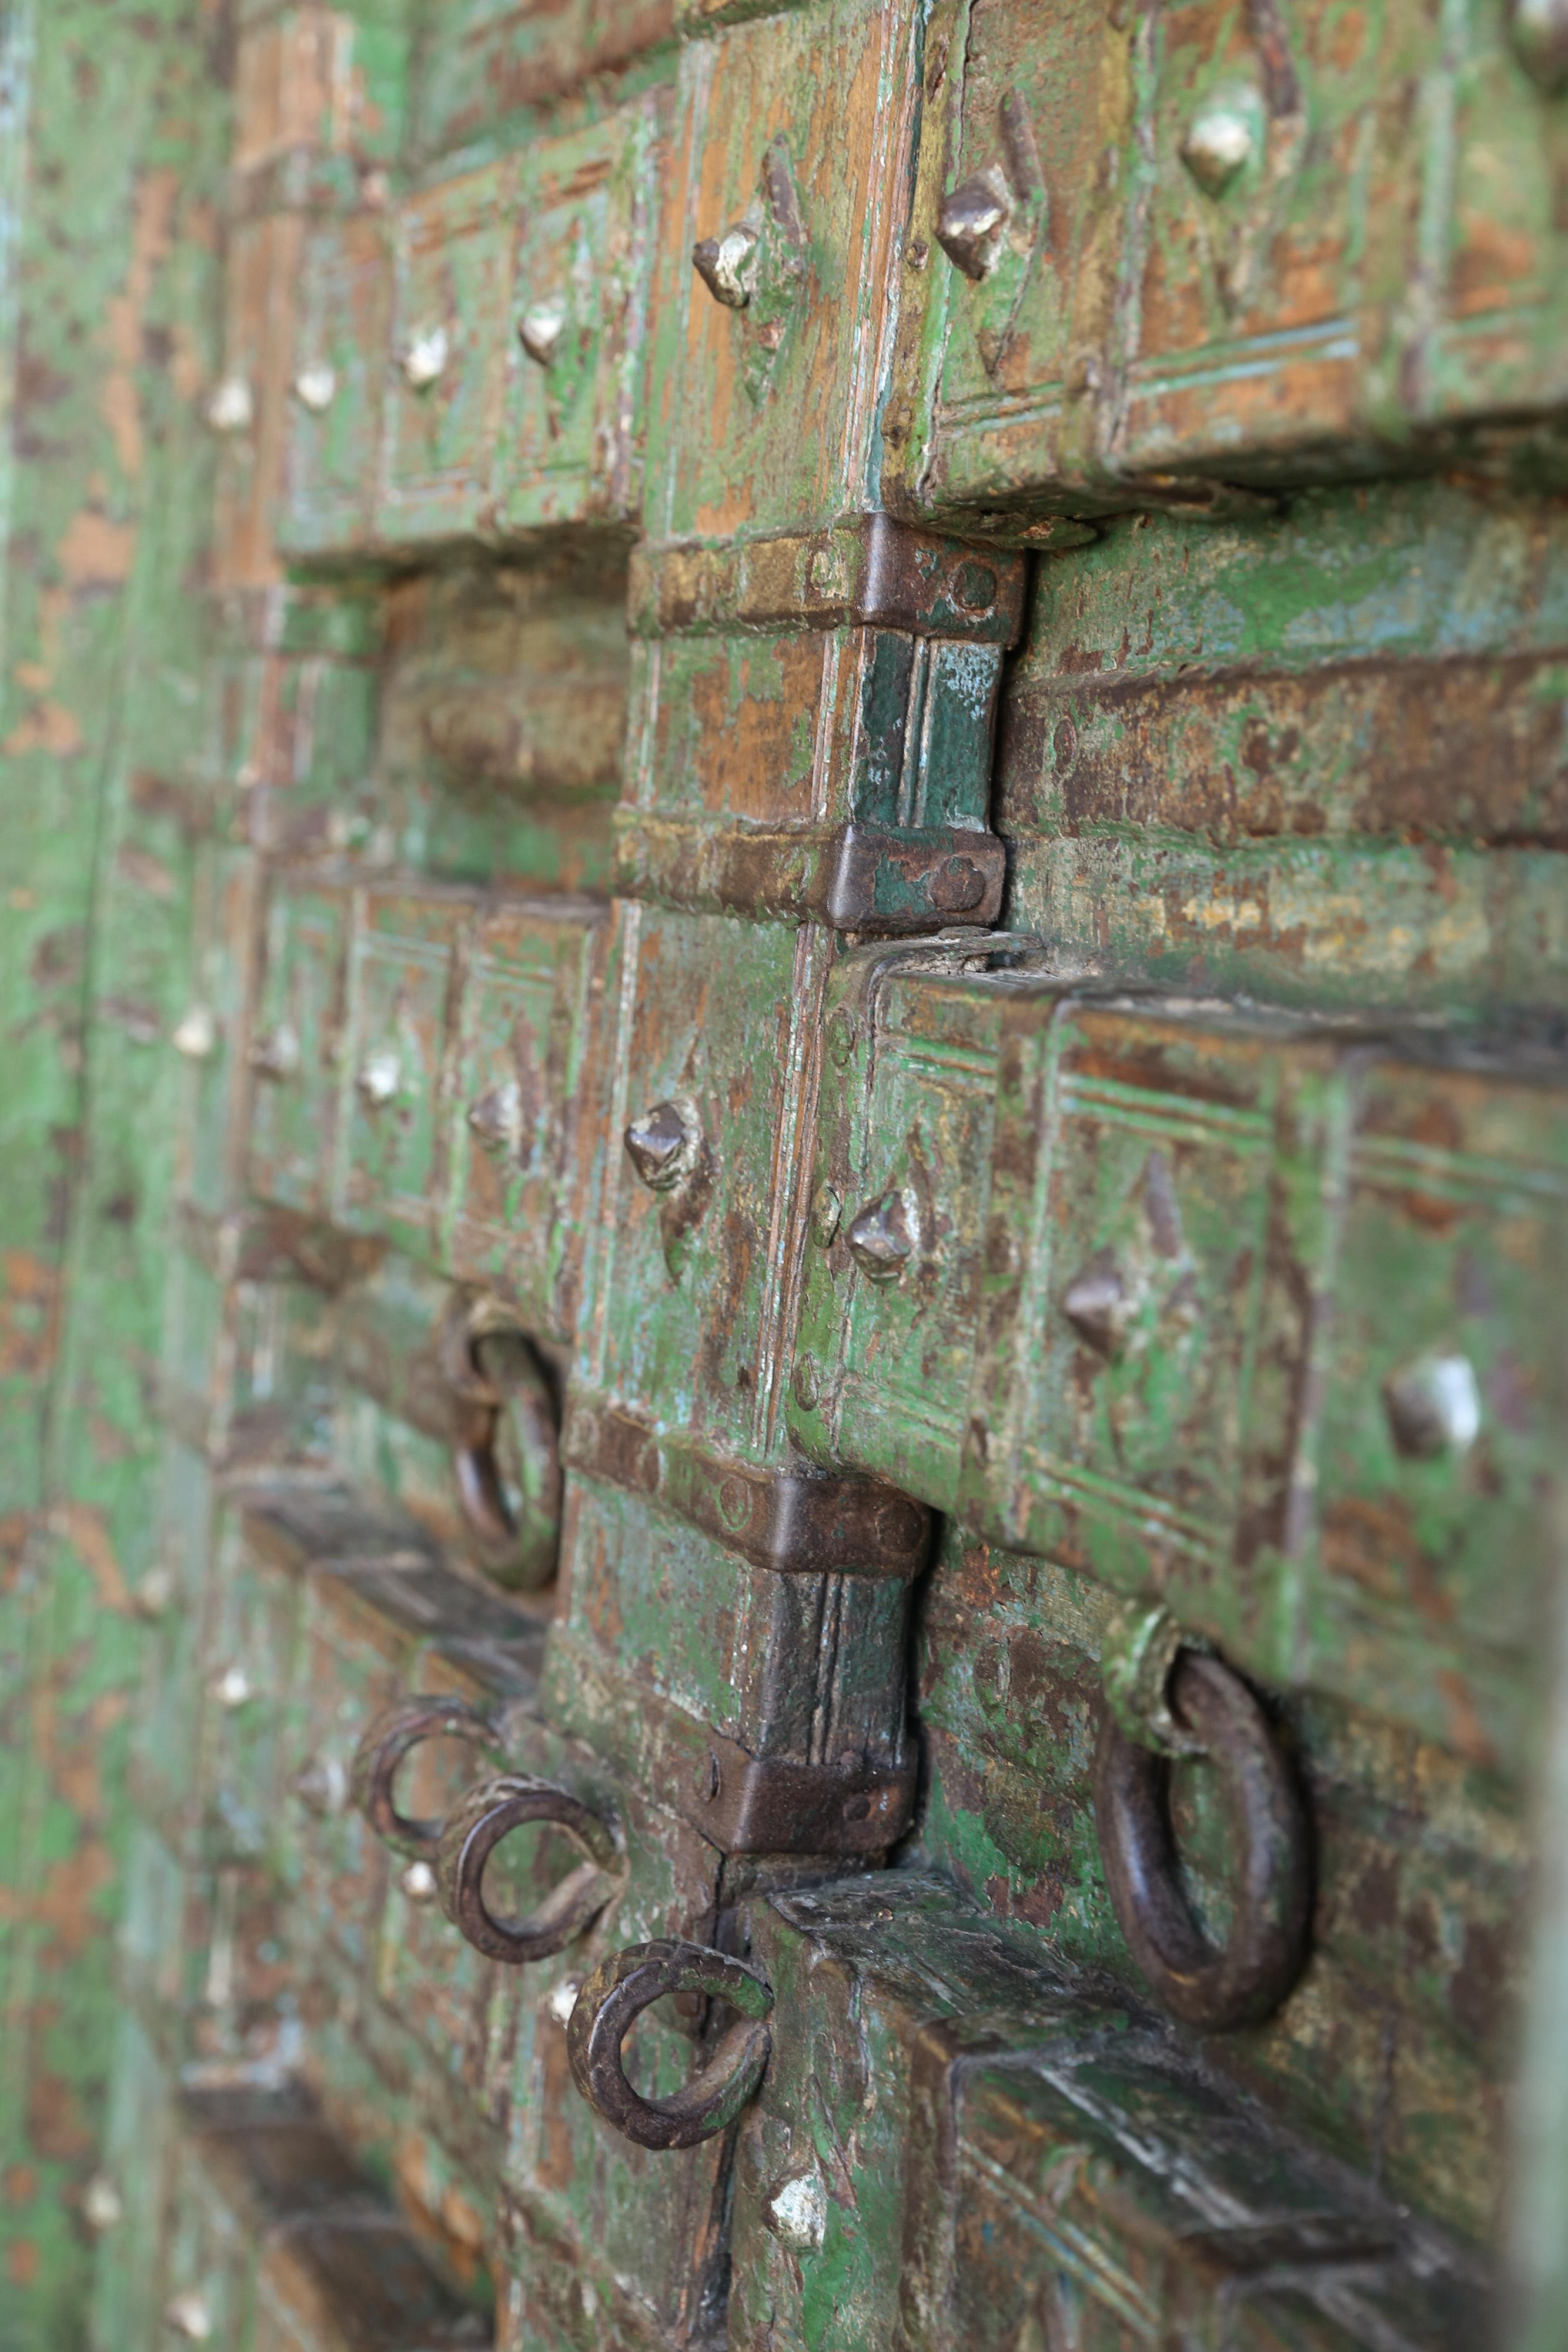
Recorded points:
(1220,141)
(101,2205)
(323,1786)
(155,1593)
(275,1056)
(1539,32)
(380,1076)
(882,1237)
(426,357)
(495,1118)
(540,329)
(1096,1304)
(196,1036)
(728,265)
(315,387)
(971,223)
(665,1145)
(232,408)
(827,1209)
(798,2212)
(1434,1407)
(562,2001)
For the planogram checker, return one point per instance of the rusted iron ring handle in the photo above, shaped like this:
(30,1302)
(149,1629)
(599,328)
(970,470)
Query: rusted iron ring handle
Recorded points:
(500,1393)
(1246,1980)
(615,1996)
(482,1818)
(480,1493)
(382,1750)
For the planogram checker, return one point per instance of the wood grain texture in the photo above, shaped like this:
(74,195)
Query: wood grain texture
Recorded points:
(932,886)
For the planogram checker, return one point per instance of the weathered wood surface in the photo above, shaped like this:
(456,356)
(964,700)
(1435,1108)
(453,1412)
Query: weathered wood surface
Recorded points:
(113,148)
(479,696)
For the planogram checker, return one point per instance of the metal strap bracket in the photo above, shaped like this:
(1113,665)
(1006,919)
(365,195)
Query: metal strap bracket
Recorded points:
(794,1520)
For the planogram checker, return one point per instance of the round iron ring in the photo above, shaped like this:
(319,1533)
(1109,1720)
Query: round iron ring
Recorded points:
(1245,1980)
(503,1401)
(382,1750)
(481,1495)
(615,1996)
(482,1818)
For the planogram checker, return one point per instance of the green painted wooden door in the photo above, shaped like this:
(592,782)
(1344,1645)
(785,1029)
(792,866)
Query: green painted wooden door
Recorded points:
(842,1580)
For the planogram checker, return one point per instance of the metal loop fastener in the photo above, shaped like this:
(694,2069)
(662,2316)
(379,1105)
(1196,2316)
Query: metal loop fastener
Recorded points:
(481,1491)
(502,1403)
(615,1996)
(482,1818)
(381,1751)
(1138,1657)
(1246,1980)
